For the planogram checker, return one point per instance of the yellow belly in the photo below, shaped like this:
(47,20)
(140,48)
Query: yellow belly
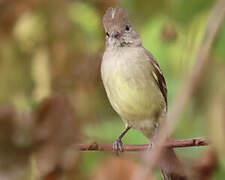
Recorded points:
(134,98)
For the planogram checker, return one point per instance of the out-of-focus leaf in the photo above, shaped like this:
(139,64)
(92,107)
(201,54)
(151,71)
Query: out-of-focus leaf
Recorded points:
(117,168)
(88,19)
(14,152)
(183,52)
(85,15)
(33,171)
(219,44)
(205,167)
(217,123)
(151,37)
(55,133)
(186,11)
(41,74)
(30,30)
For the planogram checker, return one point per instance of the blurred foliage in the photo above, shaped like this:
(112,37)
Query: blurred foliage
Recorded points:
(52,47)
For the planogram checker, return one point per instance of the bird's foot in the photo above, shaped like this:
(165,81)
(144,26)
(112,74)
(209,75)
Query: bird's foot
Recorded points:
(150,146)
(118,146)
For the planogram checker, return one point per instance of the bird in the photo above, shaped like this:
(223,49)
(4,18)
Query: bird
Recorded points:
(134,84)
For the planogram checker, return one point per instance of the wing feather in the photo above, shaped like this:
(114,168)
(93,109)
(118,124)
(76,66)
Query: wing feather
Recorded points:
(158,75)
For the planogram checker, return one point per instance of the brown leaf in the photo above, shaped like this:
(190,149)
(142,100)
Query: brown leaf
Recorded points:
(14,152)
(116,169)
(56,130)
(206,165)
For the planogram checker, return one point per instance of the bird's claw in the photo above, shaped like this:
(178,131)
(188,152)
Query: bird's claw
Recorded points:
(118,146)
(150,146)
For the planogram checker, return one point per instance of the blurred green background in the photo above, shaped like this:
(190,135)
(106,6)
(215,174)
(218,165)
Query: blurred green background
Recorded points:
(56,46)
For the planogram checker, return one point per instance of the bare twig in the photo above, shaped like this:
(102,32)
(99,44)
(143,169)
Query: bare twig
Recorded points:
(135,147)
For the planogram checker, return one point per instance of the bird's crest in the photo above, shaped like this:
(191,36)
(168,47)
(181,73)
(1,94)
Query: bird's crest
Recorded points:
(115,17)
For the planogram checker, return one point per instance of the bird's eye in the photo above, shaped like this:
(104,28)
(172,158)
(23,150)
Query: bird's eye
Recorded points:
(127,28)
(107,34)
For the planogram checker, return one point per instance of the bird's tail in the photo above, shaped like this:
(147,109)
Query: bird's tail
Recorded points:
(170,165)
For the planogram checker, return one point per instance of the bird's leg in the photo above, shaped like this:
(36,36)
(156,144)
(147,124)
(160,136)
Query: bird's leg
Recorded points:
(118,145)
(154,136)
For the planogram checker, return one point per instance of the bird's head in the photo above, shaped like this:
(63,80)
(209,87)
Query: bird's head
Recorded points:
(119,31)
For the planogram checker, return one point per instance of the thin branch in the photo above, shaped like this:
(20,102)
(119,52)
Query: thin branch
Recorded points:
(135,147)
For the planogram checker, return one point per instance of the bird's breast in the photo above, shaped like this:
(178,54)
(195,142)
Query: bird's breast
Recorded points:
(130,87)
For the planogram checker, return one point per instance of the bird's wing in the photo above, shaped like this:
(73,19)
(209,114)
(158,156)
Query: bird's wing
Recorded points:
(158,75)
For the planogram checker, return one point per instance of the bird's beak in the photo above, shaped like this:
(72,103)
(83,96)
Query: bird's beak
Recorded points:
(115,34)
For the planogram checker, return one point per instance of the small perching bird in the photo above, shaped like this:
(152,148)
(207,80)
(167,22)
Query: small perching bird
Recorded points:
(133,80)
